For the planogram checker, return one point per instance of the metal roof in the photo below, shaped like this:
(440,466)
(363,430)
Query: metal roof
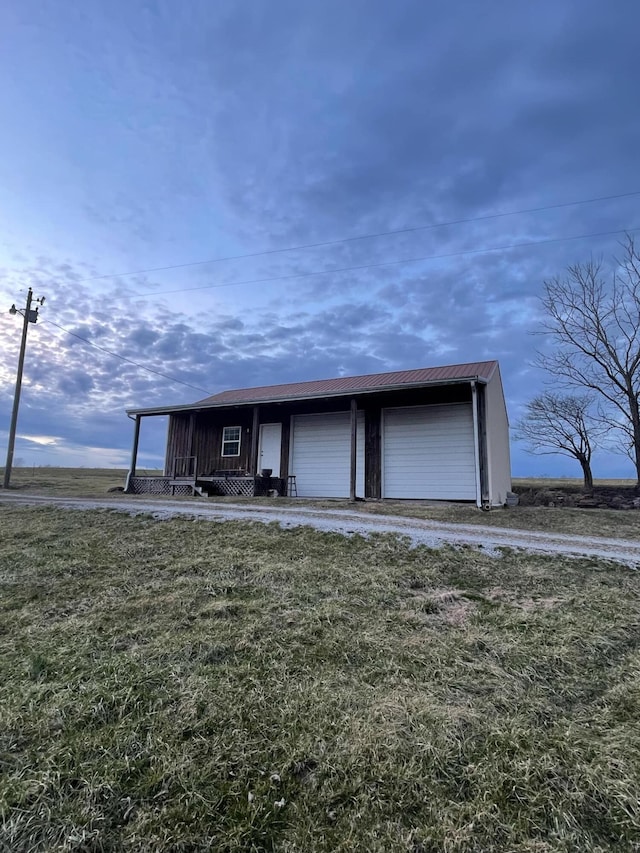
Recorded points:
(340,386)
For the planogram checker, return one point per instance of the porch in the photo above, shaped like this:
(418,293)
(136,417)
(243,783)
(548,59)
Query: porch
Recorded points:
(184,480)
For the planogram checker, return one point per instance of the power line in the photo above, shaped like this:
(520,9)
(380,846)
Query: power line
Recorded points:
(128,360)
(391,263)
(327,272)
(374,235)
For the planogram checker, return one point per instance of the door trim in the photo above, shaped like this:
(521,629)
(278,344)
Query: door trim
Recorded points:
(278,468)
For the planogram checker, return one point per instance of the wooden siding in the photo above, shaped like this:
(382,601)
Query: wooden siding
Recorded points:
(177,440)
(286,445)
(372,453)
(207,444)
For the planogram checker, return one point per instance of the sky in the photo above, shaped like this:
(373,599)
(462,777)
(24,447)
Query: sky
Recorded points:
(145,146)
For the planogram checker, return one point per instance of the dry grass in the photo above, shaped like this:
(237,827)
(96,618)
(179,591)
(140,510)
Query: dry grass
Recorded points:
(70,482)
(191,686)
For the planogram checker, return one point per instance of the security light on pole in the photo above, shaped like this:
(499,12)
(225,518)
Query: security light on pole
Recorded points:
(30,316)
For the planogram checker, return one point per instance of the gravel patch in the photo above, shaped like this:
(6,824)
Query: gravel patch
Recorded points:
(433,534)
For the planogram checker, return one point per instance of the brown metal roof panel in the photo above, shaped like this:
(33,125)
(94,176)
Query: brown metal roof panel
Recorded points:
(480,369)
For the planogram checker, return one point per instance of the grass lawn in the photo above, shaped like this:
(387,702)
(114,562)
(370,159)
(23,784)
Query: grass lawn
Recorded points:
(192,686)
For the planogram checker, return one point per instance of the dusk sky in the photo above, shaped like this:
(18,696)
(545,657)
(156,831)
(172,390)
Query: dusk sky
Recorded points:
(144,135)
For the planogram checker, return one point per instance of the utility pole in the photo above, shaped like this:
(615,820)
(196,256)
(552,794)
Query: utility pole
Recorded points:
(30,316)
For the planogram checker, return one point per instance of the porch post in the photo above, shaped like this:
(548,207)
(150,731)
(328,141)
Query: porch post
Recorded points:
(134,452)
(253,461)
(354,449)
(483,497)
(482,438)
(187,468)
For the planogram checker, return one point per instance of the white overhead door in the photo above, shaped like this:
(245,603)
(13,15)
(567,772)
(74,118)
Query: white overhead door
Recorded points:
(321,455)
(428,452)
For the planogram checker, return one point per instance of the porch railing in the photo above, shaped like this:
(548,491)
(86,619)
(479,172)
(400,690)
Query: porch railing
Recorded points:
(185,467)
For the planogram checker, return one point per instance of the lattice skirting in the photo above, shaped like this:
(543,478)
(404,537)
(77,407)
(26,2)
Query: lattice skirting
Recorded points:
(183,490)
(231,486)
(238,486)
(153,486)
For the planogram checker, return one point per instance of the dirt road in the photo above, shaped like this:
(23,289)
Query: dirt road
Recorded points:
(348,522)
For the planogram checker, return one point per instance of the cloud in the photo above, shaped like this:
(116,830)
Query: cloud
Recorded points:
(45,440)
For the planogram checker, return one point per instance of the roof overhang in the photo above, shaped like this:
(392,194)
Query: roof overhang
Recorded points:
(360,392)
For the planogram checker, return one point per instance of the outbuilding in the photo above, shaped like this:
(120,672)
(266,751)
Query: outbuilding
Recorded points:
(438,433)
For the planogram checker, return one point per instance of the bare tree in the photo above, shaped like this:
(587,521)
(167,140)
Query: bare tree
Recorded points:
(595,325)
(554,423)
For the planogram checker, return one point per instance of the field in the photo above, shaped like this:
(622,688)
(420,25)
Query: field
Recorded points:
(567,483)
(191,686)
(77,482)
(95,482)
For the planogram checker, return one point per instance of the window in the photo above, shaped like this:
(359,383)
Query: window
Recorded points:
(231,441)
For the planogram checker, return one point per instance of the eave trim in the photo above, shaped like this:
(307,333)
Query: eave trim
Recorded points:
(190,407)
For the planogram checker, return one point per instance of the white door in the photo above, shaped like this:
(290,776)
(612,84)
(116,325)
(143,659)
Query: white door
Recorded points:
(269,445)
(428,452)
(321,455)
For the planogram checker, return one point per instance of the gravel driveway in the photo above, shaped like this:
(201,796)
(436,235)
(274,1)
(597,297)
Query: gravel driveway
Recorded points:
(434,534)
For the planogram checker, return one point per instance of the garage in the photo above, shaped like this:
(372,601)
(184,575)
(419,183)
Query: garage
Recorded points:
(321,455)
(437,433)
(428,452)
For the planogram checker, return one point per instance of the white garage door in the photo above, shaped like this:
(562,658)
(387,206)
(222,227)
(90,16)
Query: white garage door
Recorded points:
(428,453)
(321,455)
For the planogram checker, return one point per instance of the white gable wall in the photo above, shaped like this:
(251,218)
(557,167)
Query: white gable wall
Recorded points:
(498,452)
